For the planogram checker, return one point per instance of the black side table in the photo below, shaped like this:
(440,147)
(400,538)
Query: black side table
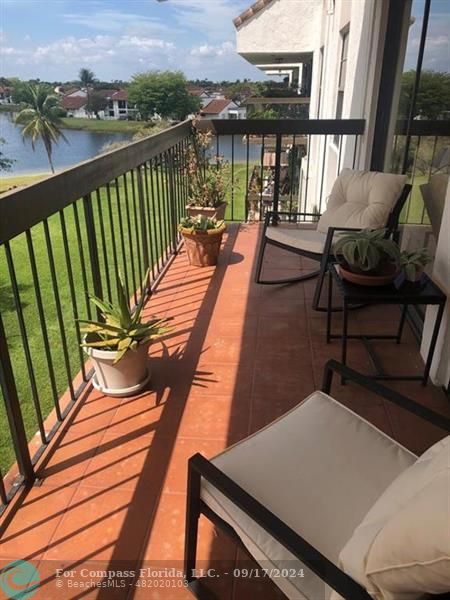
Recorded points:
(427,292)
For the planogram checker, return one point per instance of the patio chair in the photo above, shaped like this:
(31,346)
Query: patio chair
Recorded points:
(323,492)
(358,200)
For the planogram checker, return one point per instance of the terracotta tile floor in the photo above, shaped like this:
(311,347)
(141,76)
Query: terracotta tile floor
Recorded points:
(114,484)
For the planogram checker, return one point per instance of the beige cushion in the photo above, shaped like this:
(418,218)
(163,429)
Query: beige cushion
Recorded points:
(361,199)
(401,549)
(298,237)
(318,468)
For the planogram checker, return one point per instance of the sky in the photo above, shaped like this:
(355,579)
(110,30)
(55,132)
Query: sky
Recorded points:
(53,39)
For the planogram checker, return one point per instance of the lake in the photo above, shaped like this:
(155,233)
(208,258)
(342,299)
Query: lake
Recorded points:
(84,145)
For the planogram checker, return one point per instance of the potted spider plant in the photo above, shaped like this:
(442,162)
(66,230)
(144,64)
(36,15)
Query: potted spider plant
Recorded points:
(208,182)
(413,264)
(202,239)
(118,345)
(367,257)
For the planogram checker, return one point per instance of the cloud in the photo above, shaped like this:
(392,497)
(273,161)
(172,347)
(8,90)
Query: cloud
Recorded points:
(116,20)
(208,51)
(212,18)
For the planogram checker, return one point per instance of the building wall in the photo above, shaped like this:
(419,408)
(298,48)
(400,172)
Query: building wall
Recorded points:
(284,26)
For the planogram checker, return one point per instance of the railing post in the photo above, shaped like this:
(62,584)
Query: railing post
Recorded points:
(92,245)
(13,411)
(172,203)
(276,182)
(140,187)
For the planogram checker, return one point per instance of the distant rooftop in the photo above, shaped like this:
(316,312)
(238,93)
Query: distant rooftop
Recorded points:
(216,106)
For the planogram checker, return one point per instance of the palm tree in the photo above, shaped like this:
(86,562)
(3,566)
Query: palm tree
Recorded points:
(87,78)
(41,118)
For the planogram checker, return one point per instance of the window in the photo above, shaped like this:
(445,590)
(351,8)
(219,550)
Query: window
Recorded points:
(342,78)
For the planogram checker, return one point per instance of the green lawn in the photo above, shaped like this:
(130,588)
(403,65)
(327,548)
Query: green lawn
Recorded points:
(8,183)
(102,125)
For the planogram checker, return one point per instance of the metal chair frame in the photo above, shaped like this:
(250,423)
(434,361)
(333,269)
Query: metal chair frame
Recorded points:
(324,258)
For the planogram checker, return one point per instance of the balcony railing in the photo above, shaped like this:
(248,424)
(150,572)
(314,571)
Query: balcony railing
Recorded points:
(61,239)
(73,233)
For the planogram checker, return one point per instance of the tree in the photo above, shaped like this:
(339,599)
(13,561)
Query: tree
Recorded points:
(87,80)
(96,102)
(5,163)
(41,119)
(433,97)
(163,93)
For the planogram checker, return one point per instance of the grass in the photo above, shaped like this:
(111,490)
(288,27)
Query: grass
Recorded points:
(8,183)
(102,125)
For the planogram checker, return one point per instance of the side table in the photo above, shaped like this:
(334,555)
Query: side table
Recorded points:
(426,292)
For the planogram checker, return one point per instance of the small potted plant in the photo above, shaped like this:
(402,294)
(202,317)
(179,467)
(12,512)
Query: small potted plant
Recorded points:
(207,183)
(367,257)
(413,264)
(118,346)
(202,238)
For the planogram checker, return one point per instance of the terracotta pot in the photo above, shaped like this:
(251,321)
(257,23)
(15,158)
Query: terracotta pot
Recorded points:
(203,248)
(216,212)
(125,378)
(391,272)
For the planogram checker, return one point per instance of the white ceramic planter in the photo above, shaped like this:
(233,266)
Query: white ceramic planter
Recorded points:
(125,378)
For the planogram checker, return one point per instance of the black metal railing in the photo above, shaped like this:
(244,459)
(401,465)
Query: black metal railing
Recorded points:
(286,164)
(61,239)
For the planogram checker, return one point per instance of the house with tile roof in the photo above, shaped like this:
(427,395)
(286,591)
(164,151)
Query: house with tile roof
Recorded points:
(223,108)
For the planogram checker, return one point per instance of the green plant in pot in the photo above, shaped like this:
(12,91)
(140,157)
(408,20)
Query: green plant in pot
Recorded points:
(118,345)
(202,239)
(208,183)
(367,257)
(413,263)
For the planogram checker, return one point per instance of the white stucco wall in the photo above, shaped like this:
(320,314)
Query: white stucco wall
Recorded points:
(283,26)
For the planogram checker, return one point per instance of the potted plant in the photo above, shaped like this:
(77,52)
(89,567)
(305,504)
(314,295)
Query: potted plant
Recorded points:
(118,346)
(367,257)
(207,183)
(202,238)
(413,264)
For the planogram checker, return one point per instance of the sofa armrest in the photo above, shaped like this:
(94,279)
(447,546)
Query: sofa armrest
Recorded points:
(332,366)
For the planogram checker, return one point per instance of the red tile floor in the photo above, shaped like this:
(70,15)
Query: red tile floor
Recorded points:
(113,488)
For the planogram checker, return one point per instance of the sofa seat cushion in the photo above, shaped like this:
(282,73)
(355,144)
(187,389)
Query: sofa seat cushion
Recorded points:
(319,468)
(361,199)
(299,237)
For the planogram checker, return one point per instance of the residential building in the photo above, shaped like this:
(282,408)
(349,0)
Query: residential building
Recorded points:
(5,95)
(117,107)
(223,108)
(75,105)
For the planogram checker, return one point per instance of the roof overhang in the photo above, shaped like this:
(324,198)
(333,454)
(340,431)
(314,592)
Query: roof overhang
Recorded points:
(277,59)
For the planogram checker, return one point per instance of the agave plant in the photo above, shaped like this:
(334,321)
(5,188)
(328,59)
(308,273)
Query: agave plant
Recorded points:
(200,224)
(122,329)
(367,249)
(413,263)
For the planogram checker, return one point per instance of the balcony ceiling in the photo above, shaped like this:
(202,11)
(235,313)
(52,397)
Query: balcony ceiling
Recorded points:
(277,59)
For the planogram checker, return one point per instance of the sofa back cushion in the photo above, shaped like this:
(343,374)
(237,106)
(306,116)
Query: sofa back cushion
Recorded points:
(401,549)
(361,199)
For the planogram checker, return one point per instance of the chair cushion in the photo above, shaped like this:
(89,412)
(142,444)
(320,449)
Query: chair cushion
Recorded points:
(318,468)
(401,549)
(361,199)
(295,236)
